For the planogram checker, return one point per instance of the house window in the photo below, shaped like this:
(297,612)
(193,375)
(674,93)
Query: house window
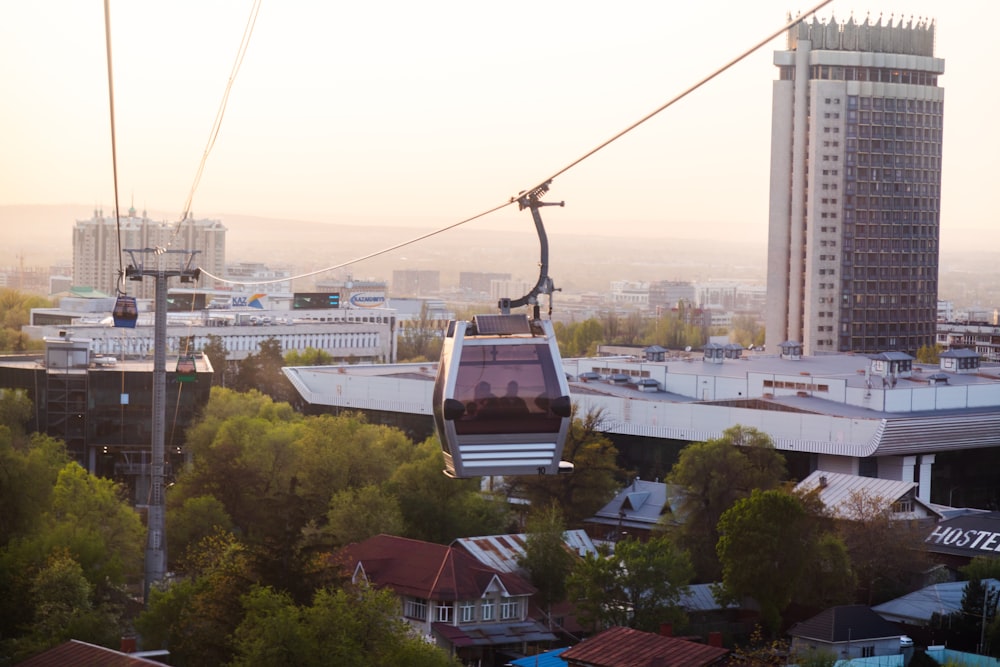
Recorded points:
(467,612)
(488,610)
(416,608)
(867,651)
(444,613)
(510,609)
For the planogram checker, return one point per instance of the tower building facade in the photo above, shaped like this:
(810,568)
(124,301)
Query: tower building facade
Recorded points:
(855,194)
(96,257)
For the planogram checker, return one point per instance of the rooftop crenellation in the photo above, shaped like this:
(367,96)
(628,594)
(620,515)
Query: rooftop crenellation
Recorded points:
(911,37)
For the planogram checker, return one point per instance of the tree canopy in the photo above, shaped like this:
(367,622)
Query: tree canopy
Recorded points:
(772,549)
(639,585)
(712,476)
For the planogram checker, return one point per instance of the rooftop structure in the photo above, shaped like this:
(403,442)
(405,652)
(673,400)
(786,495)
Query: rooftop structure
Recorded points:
(884,417)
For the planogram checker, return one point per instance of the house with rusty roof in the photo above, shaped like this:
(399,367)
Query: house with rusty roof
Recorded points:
(626,647)
(83,654)
(476,612)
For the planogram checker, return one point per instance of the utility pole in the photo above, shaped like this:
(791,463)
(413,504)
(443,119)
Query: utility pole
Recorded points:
(156,523)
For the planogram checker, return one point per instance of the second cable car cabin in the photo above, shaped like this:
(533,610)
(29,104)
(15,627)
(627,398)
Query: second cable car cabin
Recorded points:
(501,401)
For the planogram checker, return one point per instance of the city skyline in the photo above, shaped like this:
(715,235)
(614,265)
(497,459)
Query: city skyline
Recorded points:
(390,114)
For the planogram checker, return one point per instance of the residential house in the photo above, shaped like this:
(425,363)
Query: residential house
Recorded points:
(633,512)
(837,490)
(476,612)
(626,647)
(848,632)
(914,611)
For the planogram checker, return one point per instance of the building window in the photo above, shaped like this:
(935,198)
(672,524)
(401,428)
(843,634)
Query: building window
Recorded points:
(488,610)
(467,612)
(444,613)
(510,609)
(416,608)
(867,651)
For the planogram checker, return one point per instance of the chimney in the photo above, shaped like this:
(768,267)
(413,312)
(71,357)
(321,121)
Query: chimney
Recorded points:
(667,629)
(128,645)
(715,639)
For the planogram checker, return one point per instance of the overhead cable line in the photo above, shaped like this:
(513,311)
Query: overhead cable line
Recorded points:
(513,199)
(114,148)
(217,125)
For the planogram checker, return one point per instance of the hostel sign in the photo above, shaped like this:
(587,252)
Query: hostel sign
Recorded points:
(975,534)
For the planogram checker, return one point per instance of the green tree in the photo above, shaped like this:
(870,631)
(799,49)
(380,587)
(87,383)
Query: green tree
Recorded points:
(929,354)
(362,512)
(191,520)
(218,356)
(195,617)
(546,557)
(262,372)
(15,312)
(341,627)
(773,550)
(71,542)
(640,585)
(713,475)
(595,478)
(439,509)
(64,608)
(308,357)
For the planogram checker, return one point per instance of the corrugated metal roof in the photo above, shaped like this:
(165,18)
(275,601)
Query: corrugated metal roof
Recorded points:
(918,607)
(626,647)
(82,654)
(836,490)
(504,552)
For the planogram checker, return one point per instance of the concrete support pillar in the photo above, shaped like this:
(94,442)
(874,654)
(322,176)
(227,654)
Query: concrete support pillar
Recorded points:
(924,488)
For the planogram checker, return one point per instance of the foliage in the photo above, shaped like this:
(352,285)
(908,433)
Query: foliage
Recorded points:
(65,608)
(546,557)
(713,475)
(815,657)
(262,372)
(341,627)
(929,354)
(361,512)
(640,585)
(884,552)
(595,478)
(308,357)
(769,547)
(439,509)
(195,616)
(218,356)
(746,330)
(760,651)
(69,544)
(15,312)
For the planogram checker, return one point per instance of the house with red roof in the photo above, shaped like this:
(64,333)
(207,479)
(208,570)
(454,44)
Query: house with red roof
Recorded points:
(476,612)
(626,647)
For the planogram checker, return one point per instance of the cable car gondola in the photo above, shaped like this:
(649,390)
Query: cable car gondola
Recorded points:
(126,312)
(186,370)
(501,400)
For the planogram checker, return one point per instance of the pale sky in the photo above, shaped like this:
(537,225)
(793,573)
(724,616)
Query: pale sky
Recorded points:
(426,113)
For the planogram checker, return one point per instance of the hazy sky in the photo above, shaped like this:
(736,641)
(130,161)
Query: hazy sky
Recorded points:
(426,113)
